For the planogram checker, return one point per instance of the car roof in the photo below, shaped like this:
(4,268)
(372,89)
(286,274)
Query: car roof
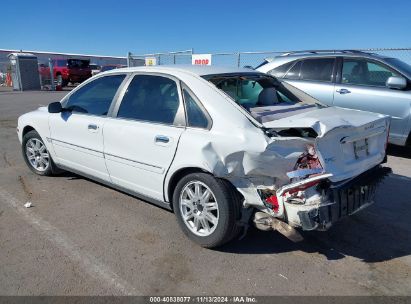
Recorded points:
(273,62)
(192,69)
(326,54)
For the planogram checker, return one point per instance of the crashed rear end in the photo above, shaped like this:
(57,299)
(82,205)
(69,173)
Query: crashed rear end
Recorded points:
(320,163)
(339,170)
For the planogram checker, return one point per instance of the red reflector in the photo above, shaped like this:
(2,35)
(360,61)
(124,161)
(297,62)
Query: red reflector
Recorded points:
(303,187)
(273,201)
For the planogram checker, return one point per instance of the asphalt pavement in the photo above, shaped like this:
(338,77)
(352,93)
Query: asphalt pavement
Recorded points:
(83,238)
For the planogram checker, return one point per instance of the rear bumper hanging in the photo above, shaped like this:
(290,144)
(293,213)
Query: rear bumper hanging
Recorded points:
(344,199)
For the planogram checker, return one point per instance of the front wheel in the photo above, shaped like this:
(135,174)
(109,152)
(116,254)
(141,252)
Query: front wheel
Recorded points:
(36,155)
(207,209)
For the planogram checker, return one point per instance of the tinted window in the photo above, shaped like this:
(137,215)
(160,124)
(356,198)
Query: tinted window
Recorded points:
(150,98)
(294,73)
(254,91)
(96,96)
(195,115)
(61,63)
(320,69)
(77,63)
(281,70)
(362,72)
(400,65)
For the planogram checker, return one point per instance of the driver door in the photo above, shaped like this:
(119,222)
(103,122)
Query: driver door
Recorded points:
(77,133)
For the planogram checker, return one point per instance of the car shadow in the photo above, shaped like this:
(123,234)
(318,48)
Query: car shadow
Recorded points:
(378,233)
(399,151)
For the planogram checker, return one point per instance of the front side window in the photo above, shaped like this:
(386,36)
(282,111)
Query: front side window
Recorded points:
(151,98)
(96,96)
(319,69)
(363,72)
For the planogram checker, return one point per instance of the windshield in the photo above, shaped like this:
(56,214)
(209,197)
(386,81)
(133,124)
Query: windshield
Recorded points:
(401,65)
(263,96)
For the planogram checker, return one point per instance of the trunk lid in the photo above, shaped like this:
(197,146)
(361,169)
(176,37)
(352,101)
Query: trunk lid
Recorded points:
(349,142)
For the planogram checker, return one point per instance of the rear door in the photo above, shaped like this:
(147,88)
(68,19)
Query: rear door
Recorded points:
(141,138)
(315,76)
(362,87)
(77,132)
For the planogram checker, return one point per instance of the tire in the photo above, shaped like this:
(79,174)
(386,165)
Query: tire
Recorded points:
(36,156)
(221,195)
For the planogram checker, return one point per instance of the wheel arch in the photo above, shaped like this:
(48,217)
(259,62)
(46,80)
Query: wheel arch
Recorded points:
(178,175)
(27,129)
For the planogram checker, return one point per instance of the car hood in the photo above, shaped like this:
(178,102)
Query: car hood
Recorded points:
(322,120)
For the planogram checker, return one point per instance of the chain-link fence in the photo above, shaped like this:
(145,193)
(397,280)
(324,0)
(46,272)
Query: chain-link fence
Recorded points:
(248,59)
(179,57)
(97,62)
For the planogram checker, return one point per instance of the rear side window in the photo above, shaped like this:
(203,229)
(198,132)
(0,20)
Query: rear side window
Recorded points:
(196,117)
(151,98)
(294,72)
(281,70)
(320,69)
(95,97)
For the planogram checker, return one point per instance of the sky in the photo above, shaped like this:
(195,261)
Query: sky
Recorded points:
(142,26)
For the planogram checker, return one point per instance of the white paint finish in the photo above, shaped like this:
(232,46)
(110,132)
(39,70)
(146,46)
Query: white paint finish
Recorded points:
(235,148)
(91,265)
(133,157)
(76,145)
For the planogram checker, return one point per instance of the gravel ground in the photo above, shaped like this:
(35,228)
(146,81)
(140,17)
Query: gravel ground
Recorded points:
(82,238)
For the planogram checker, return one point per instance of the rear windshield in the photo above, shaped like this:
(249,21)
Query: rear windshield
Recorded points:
(256,90)
(78,63)
(262,95)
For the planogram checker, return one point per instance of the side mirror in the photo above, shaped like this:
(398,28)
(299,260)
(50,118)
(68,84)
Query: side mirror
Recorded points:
(396,82)
(55,107)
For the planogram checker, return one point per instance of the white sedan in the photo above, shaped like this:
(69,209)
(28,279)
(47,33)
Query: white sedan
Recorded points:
(221,147)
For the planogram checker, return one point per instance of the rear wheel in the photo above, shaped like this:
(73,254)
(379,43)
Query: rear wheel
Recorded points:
(36,155)
(207,209)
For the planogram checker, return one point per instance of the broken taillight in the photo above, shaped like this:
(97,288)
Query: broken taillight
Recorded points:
(303,187)
(269,198)
(273,202)
(308,160)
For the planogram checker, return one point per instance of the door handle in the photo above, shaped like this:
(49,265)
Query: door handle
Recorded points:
(161,139)
(92,127)
(343,91)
